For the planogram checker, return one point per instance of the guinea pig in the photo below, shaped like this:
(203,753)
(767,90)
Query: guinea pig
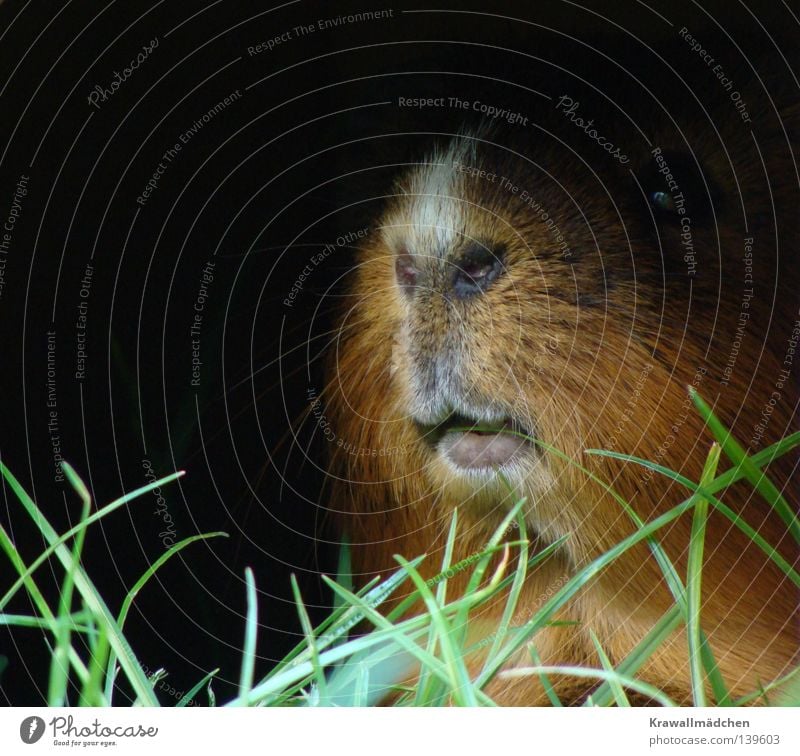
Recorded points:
(569,284)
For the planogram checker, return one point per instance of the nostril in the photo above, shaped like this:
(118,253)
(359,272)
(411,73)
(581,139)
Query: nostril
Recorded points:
(476,269)
(407,273)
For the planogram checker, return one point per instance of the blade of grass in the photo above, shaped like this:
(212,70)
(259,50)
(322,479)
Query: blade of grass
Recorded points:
(750,697)
(344,570)
(401,636)
(735,474)
(187,699)
(537,558)
(76,622)
(92,693)
(430,690)
(308,632)
(736,453)
(520,573)
(549,690)
(247,675)
(332,630)
(668,569)
(674,581)
(578,581)
(480,568)
(458,677)
(90,595)
(386,664)
(462,565)
(99,514)
(449,547)
(643,650)
(397,635)
(694,576)
(127,602)
(404,635)
(361,695)
(474,599)
(671,576)
(339,623)
(719,483)
(675,584)
(677,588)
(155,566)
(59,660)
(36,596)
(613,681)
(600,674)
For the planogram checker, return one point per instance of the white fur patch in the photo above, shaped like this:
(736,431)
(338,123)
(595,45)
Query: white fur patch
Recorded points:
(437,215)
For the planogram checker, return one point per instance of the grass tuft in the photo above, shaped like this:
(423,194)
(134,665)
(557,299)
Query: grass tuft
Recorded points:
(420,659)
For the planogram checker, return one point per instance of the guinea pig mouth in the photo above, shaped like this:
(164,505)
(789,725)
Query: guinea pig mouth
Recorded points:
(472,445)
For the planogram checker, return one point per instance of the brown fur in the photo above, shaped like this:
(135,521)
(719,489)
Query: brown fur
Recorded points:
(573,344)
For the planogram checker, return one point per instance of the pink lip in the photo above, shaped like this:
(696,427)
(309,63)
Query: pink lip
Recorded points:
(473,450)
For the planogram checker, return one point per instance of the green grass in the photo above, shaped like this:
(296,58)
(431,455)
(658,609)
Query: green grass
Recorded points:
(89,651)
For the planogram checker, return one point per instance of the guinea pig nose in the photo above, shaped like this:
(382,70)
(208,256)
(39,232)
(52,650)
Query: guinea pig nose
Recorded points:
(475,270)
(407,273)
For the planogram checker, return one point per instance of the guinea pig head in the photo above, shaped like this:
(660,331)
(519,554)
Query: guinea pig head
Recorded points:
(513,309)
(480,312)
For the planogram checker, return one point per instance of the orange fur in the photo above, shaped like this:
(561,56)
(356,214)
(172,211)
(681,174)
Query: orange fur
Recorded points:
(597,351)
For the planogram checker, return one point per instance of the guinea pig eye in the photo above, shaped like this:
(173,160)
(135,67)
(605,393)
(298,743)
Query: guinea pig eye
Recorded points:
(663,202)
(676,185)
